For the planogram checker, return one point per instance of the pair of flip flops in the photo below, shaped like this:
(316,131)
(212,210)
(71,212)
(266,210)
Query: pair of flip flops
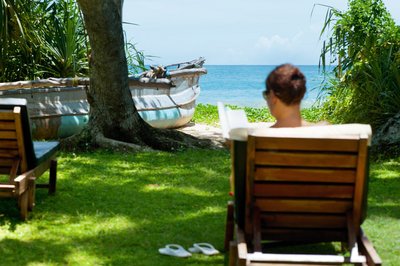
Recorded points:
(178,251)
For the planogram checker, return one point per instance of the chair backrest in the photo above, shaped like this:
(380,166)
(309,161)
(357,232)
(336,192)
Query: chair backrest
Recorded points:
(15,135)
(304,187)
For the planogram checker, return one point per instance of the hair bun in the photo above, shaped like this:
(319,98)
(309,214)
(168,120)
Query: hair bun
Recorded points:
(297,76)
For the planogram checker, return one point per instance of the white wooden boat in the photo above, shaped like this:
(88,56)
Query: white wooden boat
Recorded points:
(58,108)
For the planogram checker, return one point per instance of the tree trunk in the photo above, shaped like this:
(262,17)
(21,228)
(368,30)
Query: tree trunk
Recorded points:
(111,110)
(113,118)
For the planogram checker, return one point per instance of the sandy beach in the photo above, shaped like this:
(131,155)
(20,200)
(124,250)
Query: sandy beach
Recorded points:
(204,132)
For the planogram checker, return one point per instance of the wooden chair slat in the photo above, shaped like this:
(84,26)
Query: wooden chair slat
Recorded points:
(274,220)
(6,115)
(311,206)
(8,153)
(288,159)
(303,191)
(6,125)
(6,162)
(8,144)
(8,134)
(304,175)
(304,235)
(310,144)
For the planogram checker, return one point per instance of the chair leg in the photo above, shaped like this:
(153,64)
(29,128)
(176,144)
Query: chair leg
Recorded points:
(368,250)
(53,177)
(23,205)
(32,192)
(230,226)
(233,253)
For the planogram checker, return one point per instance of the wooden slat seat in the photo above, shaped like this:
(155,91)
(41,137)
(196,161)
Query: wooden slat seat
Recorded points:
(302,189)
(22,159)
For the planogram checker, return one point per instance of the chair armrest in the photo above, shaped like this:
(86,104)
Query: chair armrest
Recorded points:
(22,182)
(241,244)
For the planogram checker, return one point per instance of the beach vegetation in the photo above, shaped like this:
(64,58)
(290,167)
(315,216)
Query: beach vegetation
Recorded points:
(208,114)
(63,42)
(363,43)
(114,208)
(41,39)
(135,58)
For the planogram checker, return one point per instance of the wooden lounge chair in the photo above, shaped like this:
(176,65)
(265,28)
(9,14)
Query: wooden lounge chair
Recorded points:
(22,159)
(300,190)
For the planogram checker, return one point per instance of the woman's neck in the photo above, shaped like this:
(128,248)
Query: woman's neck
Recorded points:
(289,116)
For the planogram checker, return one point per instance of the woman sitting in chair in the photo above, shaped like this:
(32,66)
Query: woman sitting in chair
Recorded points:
(285,88)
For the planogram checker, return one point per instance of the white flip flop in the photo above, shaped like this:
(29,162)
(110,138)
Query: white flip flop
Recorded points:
(175,251)
(205,248)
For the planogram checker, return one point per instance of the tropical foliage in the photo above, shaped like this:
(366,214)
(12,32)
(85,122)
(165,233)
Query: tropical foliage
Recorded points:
(16,51)
(135,59)
(47,38)
(64,42)
(41,39)
(364,44)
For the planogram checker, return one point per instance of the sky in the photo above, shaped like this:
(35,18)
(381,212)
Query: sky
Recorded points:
(234,32)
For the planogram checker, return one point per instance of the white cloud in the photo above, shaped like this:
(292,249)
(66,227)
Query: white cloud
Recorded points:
(277,42)
(298,36)
(268,43)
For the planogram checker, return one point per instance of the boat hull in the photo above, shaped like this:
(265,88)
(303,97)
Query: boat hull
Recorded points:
(59,112)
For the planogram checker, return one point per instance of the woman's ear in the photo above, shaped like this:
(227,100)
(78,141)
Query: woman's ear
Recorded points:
(272,97)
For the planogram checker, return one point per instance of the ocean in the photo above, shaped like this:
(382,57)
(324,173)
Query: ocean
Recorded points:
(242,85)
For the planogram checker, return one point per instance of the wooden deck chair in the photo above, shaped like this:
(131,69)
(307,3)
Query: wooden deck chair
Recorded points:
(22,159)
(302,190)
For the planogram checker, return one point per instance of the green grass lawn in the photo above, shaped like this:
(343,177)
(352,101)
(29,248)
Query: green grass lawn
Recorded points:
(119,209)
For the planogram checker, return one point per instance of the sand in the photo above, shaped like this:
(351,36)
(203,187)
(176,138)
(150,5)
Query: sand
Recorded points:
(204,132)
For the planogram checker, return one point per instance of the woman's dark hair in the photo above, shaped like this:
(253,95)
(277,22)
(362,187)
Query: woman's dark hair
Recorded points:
(288,84)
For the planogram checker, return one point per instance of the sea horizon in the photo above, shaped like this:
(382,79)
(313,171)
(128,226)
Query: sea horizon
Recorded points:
(242,85)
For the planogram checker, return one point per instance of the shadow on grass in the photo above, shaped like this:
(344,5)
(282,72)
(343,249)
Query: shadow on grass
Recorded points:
(118,209)
(115,247)
(9,214)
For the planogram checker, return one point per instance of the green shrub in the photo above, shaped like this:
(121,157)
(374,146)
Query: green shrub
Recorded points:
(364,44)
(41,39)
